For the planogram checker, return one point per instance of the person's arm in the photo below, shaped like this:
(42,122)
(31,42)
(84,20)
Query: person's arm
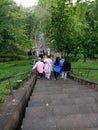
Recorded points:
(34,67)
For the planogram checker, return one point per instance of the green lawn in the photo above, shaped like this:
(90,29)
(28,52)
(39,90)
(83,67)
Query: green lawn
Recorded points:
(93,74)
(11,68)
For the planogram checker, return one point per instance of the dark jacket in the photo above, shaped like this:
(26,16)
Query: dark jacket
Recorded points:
(66,67)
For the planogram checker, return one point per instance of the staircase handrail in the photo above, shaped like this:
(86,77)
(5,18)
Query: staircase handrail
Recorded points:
(10,83)
(80,73)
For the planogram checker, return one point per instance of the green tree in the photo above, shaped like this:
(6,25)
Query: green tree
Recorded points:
(12,25)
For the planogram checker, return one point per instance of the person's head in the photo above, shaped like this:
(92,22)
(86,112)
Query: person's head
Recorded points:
(66,59)
(57,61)
(39,59)
(45,56)
(56,51)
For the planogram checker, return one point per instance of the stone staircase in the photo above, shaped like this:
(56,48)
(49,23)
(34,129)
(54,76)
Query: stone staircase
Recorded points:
(61,105)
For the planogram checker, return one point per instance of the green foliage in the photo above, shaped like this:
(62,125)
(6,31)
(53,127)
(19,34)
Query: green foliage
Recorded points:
(71,28)
(13,24)
(74,58)
(30,23)
(11,52)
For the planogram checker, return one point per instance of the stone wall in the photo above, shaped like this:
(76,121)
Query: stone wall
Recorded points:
(88,83)
(11,112)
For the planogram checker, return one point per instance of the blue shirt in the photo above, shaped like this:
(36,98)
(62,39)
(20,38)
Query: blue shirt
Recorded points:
(56,68)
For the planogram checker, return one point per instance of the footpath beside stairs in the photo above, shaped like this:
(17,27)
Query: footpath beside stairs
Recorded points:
(61,105)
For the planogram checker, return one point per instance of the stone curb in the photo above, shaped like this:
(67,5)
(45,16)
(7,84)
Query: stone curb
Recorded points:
(88,83)
(11,113)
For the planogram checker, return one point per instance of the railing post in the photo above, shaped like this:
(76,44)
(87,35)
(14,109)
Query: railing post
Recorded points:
(11,89)
(88,73)
(78,71)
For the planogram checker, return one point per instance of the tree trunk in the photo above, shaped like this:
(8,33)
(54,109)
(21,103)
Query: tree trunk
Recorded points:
(84,58)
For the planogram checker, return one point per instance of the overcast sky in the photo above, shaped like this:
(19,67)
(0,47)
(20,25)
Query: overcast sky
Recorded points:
(27,3)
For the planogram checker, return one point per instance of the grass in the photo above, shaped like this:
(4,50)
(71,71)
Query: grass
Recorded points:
(11,68)
(92,74)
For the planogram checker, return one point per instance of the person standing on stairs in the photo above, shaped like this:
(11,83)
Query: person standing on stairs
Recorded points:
(39,66)
(66,67)
(47,69)
(56,68)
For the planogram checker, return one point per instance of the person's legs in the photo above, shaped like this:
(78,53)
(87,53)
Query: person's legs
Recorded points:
(65,75)
(38,74)
(62,74)
(55,75)
(41,75)
(68,73)
(49,74)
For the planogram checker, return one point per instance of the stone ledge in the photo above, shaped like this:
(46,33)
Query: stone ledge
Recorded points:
(87,82)
(12,112)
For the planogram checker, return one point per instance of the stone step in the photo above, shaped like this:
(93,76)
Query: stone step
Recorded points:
(60,100)
(62,111)
(59,85)
(41,112)
(48,85)
(86,129)
(65,95)
(61,105)
(59,111)
(41,124)
(63,91)
(68,93)
(78,121)
(69,122)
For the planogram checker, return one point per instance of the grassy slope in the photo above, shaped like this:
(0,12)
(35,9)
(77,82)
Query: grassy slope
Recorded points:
(13,60)
(11,68)
(93,74)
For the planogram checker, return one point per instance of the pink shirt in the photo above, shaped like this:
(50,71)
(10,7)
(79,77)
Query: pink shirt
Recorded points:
(39,66)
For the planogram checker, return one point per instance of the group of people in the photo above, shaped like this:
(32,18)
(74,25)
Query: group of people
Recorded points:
(60,67)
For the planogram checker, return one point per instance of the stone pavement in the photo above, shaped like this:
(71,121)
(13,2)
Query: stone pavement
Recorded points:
(61,105)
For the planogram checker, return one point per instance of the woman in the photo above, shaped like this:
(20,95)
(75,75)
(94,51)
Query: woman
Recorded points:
(47,69)
(66,68)
(56,68)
